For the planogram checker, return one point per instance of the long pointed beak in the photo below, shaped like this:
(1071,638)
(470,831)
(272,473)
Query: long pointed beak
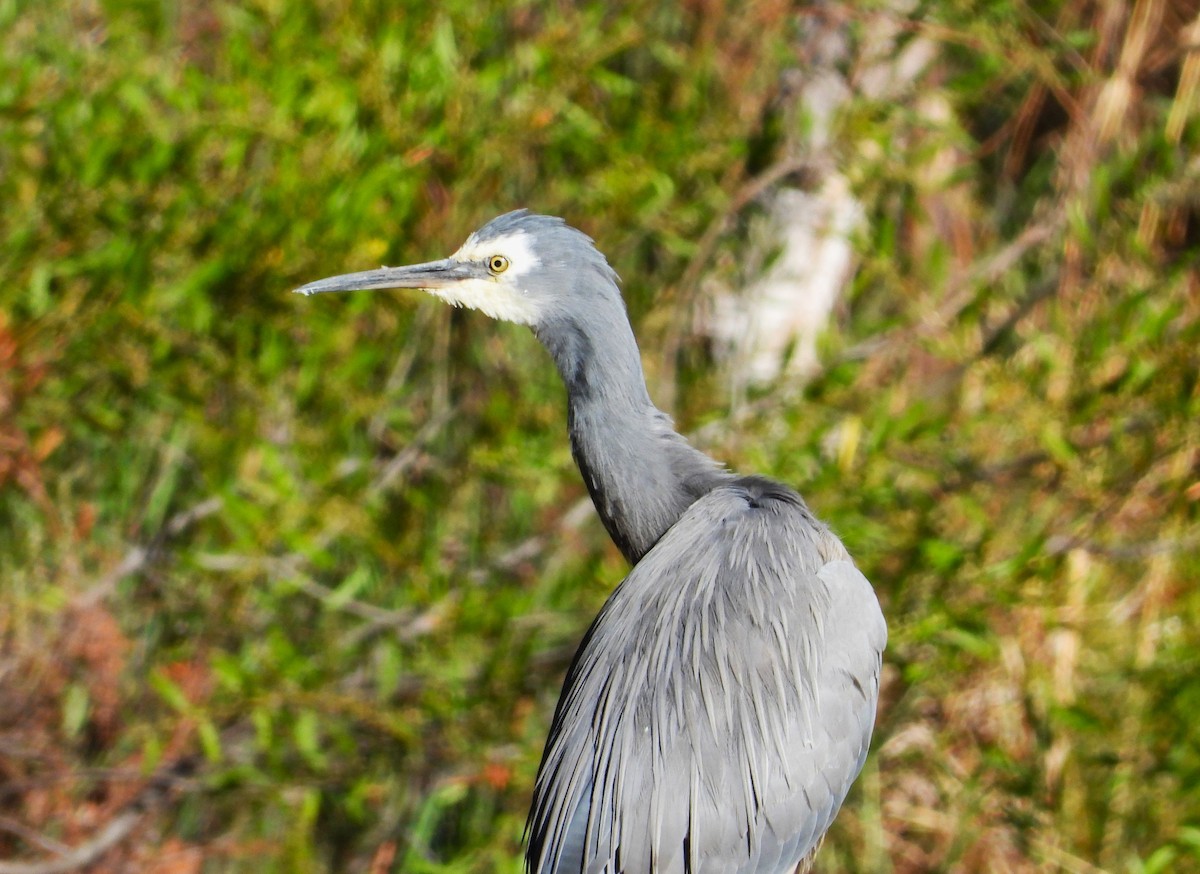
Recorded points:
(434,274)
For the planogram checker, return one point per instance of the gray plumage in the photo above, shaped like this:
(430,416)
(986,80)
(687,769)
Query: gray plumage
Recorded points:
(721,704)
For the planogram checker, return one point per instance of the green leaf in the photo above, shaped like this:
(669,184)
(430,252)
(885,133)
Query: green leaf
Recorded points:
(76,705)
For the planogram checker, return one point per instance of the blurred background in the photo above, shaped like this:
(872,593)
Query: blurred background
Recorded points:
(290,584)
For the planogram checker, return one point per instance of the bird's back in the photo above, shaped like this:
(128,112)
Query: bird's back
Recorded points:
(722,702)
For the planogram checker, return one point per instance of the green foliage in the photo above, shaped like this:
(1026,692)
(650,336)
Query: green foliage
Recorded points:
(314,566)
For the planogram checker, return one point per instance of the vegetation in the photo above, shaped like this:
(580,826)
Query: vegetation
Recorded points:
(290,585)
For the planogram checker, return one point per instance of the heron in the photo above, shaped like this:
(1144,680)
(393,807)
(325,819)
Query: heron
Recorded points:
(722,702)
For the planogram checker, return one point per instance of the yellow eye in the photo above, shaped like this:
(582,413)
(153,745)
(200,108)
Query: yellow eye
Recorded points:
(497,264)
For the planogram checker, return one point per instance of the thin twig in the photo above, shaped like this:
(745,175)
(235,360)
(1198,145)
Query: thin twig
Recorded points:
(139,556)
(29,836)
(114,831)
(747,194)
(1042,290)
(959,295)
(14,788)
(399,464)
(1059,544)
(180,522)
(407,623)
(86,853)
(401,370)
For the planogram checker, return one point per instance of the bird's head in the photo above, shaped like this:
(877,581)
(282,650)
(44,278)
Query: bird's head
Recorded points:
(519,267)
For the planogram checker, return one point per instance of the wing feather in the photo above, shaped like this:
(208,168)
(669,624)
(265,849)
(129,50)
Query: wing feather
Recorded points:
(720,705)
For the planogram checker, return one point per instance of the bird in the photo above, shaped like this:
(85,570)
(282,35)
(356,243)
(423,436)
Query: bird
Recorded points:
(722,702)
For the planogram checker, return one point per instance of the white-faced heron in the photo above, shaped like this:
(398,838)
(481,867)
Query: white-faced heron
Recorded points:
(722,702)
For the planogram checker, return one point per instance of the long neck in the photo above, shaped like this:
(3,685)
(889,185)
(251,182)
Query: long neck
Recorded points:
(641,474)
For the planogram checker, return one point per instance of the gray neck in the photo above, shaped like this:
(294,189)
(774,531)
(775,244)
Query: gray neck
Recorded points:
(641,474)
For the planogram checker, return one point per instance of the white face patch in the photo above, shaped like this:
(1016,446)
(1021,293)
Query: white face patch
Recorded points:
(501,296)
(514,247)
